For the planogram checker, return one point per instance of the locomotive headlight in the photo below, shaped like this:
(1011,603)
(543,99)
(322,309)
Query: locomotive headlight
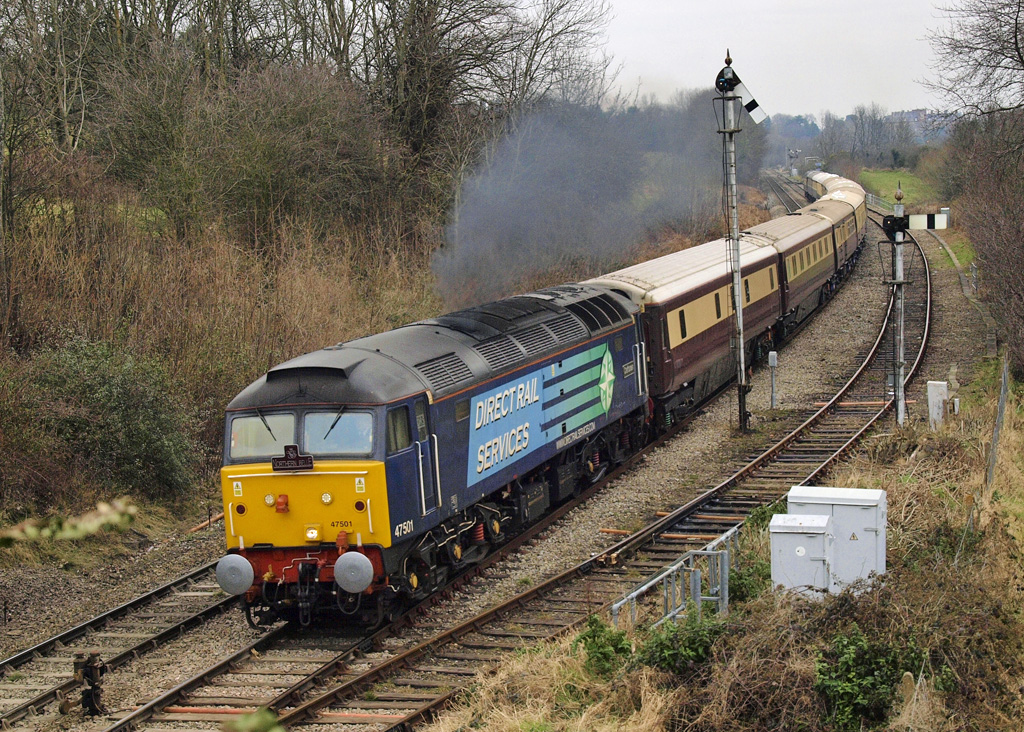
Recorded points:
(312,532)
(269,499)
(326,498)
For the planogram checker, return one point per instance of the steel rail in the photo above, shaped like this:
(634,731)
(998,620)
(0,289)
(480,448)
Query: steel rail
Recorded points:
(29,654)
(60,691)
(222,666)
(306,711)
(782,194)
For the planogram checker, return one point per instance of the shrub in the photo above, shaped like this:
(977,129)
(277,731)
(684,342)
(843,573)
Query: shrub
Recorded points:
(32,464)
(118,415)
(681,647)
(761,516)
(858,677)
(750,577)
(606,649)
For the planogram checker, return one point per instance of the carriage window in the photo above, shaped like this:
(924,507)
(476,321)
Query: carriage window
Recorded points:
(771,278)
(399,435)
(338,433)
(718,306)
(746,288)
(682,324)
(261,435)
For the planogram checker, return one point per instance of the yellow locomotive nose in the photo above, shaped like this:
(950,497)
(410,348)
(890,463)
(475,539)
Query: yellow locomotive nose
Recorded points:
(306,508)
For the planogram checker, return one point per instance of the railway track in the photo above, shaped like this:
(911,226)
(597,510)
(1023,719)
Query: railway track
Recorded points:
(789,194)
(286,665)
(42,677)
(405,673)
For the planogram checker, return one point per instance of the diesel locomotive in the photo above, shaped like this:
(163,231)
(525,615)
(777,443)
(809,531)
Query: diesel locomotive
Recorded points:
(358,478)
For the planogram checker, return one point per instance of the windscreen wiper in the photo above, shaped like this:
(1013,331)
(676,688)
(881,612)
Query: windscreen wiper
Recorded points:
(264,421)
(336,418)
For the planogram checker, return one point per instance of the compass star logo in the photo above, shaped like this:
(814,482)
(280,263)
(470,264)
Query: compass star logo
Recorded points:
(607,380)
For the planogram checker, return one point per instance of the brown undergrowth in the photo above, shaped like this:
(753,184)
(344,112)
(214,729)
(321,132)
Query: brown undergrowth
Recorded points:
(196,316)
(934,644)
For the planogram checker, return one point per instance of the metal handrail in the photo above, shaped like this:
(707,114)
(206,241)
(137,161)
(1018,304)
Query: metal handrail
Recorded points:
(881,204)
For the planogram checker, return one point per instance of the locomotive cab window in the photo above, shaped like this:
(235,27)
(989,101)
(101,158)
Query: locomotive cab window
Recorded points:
(338,433)
(399,435)
(462,410)
(261,435)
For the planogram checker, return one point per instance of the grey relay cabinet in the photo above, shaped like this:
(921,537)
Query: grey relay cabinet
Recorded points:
(858,520)
(802,553)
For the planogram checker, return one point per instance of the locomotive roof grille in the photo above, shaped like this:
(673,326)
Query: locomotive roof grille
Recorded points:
(567,329)
(444,371)
(535,340)
(500,353)
(598,313)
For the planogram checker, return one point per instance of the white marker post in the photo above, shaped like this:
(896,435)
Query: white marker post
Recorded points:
(773,363)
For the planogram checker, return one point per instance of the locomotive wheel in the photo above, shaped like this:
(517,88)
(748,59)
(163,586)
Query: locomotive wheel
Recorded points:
(454,552)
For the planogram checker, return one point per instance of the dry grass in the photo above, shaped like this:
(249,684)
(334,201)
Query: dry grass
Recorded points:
(951,599)
(216,314)
(549,689)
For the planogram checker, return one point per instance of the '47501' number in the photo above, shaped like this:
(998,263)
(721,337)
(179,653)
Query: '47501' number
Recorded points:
(403,528)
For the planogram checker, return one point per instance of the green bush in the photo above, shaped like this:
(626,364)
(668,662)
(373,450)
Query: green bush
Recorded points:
(118,415)
(750,577)
(606,649)
(681,647)
(761,516)
(858,677)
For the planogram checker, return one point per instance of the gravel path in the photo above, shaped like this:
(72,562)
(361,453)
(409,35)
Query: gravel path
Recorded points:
(42,601)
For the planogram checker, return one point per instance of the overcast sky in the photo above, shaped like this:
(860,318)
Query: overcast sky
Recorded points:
(795,57)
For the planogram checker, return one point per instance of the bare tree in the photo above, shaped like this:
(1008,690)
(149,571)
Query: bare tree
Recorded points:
(869,141)
(833,139)
(53,40)
(5,264)
(980,56)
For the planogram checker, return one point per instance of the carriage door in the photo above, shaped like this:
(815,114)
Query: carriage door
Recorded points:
(429,470)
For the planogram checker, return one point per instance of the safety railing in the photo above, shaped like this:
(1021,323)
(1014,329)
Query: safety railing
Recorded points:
(880,204)
(698,576)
